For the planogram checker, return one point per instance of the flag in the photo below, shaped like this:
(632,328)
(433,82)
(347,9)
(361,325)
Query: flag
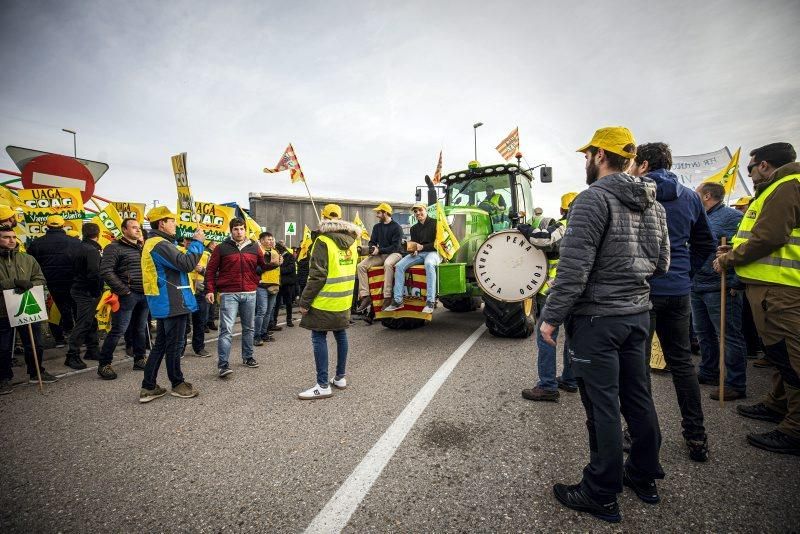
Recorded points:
(437,174)
(305,244)
(727,176)
(288,162)
(510,145)
(446,243)
(357,221)
(252,228)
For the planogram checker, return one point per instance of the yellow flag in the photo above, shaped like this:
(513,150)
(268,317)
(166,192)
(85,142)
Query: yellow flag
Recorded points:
(446,243)
(727,176)
(357,221)
(305,244)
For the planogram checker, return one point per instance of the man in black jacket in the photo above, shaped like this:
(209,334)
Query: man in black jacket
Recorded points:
(288,283)
(53,251)
(121,269)
(616,240)
(86,291)
(385,245)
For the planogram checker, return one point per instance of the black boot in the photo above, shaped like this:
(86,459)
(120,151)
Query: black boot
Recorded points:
(775,441)
(74,361)
(576,498)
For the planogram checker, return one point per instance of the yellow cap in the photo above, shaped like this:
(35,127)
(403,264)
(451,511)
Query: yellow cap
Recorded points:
(566,200)
(159,213)
(331,211)
(7,213)
(55,221)
(742,201)
(419,205)
(73,232)
(614,139)
(383,206)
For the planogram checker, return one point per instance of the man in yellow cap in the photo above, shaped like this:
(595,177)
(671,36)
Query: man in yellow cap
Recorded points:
(8,217)
(169,295)
(616,240)
(54,252)
(332,212)
(385,244)
(742,203)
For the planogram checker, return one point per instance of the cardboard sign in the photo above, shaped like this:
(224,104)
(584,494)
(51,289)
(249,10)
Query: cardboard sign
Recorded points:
(130,210)
(110,224)
(25,308)
(214,219)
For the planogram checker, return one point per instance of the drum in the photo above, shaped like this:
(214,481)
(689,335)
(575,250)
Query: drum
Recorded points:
(509,268)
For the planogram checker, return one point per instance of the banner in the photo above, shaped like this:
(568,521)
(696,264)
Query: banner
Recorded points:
(357,221)
(39,204)
(509,146)
(130,210)
(305,244)
(693,170)
(289,162)
(727,176)
(110,224)
(9,198)
(446,243)
(185,226)
(213,219)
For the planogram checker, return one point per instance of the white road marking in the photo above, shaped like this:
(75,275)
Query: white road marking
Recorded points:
(337,512)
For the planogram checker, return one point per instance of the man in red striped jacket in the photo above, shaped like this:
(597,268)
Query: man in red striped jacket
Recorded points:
(234,270)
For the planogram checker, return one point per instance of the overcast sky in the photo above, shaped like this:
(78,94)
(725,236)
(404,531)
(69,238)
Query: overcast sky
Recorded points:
(369,92)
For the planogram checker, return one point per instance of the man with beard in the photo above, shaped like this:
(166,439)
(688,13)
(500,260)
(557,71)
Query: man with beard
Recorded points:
(615,241)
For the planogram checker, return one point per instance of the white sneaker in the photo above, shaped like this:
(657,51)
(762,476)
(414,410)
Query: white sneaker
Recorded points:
(316,392)
(394,306)
(429,306)
(340,383)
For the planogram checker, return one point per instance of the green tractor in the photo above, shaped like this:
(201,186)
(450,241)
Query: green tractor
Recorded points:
(480,203)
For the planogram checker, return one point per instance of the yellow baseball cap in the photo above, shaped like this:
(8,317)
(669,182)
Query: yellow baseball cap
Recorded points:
(72,232)
(383,206)
(419,205)
(566,200)
(741,201)
(6,213)
(55,221)
(614,139)
(159,213)
(331,211)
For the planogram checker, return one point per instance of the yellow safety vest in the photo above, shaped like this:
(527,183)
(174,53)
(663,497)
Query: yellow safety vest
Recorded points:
(552,270)
(194,276)
(149,271)
(782,266)
(496,201)
(273,276)
(337,293)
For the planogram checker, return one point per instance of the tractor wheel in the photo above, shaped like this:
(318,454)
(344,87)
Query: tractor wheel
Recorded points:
(403,323)
(460,304)
(509,319)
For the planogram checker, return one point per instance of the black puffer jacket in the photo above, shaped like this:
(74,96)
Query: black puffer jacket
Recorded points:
(86,268)
(54,252)
(616,239)
(121,267)
(288,268)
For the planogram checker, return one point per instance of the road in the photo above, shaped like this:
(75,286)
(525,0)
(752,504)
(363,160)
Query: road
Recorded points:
(247,456)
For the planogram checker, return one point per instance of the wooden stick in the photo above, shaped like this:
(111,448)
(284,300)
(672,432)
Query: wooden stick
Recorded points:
(723,303)
(312,201)
(35,356)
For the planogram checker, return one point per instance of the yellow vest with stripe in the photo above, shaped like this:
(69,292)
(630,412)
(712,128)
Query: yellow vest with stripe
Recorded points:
(194,276)
(552,270)
(782,266)
(149,271)
(337,293)
(273,276)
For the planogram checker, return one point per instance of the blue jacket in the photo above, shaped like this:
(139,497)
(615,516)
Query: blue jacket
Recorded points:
(164,275)
(724,222)
(690,238)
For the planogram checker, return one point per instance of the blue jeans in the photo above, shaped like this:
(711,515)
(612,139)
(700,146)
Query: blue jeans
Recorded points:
(319,341)
(546,362)
(706,317)
(231,304)
(265,303)
(132,309)
(170,340)
(430,259)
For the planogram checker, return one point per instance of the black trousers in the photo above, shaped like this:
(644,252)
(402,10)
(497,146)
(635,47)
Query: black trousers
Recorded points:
(7,348)
(66,306)
(286,297)
(85,330)
(670,318)
(609,362)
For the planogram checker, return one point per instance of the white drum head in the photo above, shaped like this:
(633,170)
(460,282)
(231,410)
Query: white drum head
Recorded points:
(508,268)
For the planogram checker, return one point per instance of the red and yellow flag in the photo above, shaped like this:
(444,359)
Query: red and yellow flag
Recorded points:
(288,162)
(727,176)
(437,174)
(509,146)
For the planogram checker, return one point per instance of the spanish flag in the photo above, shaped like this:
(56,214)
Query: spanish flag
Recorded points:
(727,176)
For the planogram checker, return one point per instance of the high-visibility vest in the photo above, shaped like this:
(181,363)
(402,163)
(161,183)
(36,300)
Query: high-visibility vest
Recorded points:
(194,276)
(781,266)
(495,199)
(149,270)
(273,276)
(552,270)
(337,293)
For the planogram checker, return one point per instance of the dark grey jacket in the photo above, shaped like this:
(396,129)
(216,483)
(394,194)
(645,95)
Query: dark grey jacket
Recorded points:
(616,240)
(121,267)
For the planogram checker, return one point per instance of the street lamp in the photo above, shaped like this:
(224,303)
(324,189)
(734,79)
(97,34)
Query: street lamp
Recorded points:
(74,140)
(475,136)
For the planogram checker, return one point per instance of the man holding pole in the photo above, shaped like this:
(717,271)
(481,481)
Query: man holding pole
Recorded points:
(20,272)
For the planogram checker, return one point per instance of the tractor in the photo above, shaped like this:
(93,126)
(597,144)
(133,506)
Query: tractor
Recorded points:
(473,217)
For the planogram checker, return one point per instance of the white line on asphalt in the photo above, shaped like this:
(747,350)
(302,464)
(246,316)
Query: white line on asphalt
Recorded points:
(336,513)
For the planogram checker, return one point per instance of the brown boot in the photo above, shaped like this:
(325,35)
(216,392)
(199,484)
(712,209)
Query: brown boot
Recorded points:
(762,363)
(728,394)
(363,304)
(539,394)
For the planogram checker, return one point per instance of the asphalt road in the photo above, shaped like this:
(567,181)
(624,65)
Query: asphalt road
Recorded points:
(247,456)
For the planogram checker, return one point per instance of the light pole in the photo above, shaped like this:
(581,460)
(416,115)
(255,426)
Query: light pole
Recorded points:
(475,137)
(74,140)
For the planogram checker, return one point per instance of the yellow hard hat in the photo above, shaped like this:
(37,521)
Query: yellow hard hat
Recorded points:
(566,200)
(159,213)
(6,213)
(741,201)
(383,206)
(55,221)
(331,211)
(613,139)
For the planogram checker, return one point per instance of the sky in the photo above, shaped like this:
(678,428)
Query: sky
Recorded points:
(368,93)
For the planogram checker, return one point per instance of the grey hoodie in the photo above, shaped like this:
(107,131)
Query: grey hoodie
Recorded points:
(616,239)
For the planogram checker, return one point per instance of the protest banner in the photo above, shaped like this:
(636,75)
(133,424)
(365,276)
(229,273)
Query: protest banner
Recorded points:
(24,309)
(213,219)
(110,224)
(130,210)
(186,225)
(693,170)
(39,204)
